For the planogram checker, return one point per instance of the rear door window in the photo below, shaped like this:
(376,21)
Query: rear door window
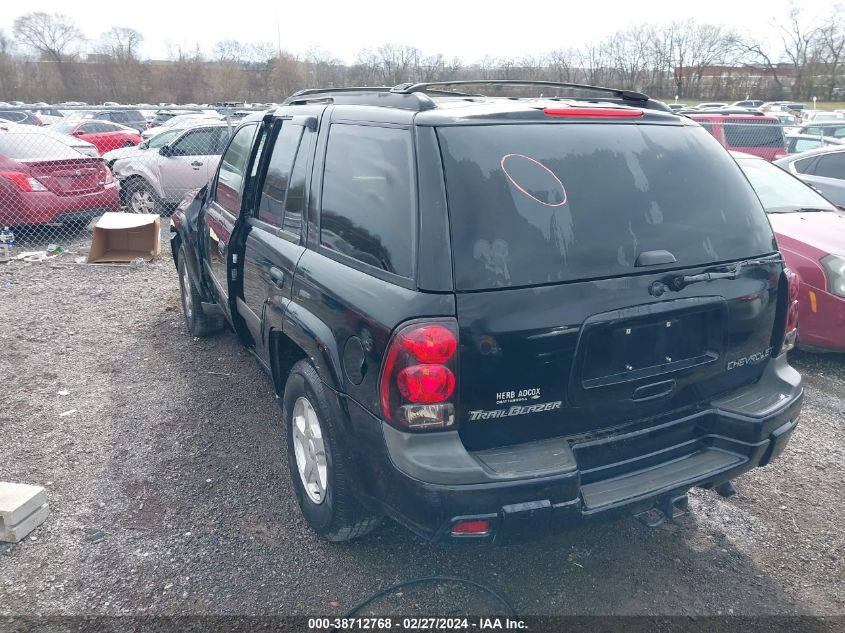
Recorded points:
(271,207)
(538,203)
(368,202)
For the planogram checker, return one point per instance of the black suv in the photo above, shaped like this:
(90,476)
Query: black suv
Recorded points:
(490,317)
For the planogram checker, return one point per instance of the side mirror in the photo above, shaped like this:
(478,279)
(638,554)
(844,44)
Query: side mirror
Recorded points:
(165,150)
(78,133)
(144,145)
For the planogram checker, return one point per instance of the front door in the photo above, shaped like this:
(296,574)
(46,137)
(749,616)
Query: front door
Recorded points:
(224,207)
(190,162)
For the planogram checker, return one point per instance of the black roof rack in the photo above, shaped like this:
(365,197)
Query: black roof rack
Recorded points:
(417,96)
(627,95)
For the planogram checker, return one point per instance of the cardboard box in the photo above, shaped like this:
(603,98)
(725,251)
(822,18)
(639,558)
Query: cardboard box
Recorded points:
(122,237)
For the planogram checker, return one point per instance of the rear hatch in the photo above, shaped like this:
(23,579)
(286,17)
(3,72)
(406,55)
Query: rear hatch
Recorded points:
(559,231)
(59,167)
(69,177)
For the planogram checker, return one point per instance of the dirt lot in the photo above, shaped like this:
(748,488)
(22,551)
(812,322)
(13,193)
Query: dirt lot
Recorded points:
(170,493)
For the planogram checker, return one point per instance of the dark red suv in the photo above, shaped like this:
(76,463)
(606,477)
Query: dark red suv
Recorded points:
(747,132)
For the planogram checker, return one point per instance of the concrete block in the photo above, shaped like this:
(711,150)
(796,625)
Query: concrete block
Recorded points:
(22,509)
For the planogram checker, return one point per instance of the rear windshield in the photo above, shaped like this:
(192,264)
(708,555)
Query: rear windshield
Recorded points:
(759,133)
(23,146)
(533,203)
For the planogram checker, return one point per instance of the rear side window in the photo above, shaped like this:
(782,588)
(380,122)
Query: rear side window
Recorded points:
(271,208)
(831,166)
(753,133)
(534,204)
(367,204)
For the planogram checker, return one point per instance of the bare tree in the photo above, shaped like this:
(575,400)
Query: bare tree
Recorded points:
(831,43)
(53,36)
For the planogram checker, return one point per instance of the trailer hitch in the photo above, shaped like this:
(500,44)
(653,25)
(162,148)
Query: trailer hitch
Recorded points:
(668,508)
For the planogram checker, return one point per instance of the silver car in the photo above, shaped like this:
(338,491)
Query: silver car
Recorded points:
(155,181)
(822,168)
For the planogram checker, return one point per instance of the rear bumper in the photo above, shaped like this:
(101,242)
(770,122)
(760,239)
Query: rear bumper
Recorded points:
(429,481)
(42,207)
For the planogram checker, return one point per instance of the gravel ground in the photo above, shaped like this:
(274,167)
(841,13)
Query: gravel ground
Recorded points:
(170,492)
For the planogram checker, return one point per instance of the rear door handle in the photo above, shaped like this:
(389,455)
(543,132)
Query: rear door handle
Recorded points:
(196,164)
(278,276)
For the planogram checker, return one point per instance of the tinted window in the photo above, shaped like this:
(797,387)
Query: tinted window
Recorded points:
(271,208)
(831,166)
(12,115)
(295,201)
(199,142)
(91,128)
(802,166)
(230,178)
(753,134)
(110,127)
(367,196)
(117,117)
(133,115)
(533,204)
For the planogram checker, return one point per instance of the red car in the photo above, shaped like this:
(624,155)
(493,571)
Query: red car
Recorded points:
(43,180)
(105,135)
(811,236)
(747,132)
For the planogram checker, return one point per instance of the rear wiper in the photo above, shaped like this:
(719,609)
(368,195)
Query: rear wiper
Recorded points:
(723,271)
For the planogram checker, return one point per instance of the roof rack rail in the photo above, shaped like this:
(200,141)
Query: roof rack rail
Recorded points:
(364,95)
(626,95)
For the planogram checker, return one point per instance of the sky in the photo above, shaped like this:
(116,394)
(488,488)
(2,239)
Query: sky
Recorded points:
(454,28)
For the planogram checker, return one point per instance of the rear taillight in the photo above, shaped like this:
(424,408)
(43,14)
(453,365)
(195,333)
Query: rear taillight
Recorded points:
(25,182)
(790,331)
(106,177)
(418,379)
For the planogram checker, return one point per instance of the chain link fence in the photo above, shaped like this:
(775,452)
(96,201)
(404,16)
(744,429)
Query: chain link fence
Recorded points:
(63,166)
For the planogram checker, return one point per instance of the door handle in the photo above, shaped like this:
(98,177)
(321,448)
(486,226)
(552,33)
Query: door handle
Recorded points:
(196,164)
(278,276)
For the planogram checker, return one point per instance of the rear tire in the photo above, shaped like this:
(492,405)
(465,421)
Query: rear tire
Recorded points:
(196,320)
(141,198)
(328,504)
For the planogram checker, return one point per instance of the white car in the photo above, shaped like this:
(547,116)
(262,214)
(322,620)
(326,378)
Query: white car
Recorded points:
(153,143)
(154,181)
(80,145)
(180,121)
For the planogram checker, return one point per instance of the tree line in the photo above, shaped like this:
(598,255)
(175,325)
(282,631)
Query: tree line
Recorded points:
(47,58)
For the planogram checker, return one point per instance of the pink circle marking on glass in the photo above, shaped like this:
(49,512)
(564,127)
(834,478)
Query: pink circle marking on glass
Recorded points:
(523,190)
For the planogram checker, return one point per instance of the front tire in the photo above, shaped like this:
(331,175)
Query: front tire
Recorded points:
(317,460)
(196,320)
(141,198)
